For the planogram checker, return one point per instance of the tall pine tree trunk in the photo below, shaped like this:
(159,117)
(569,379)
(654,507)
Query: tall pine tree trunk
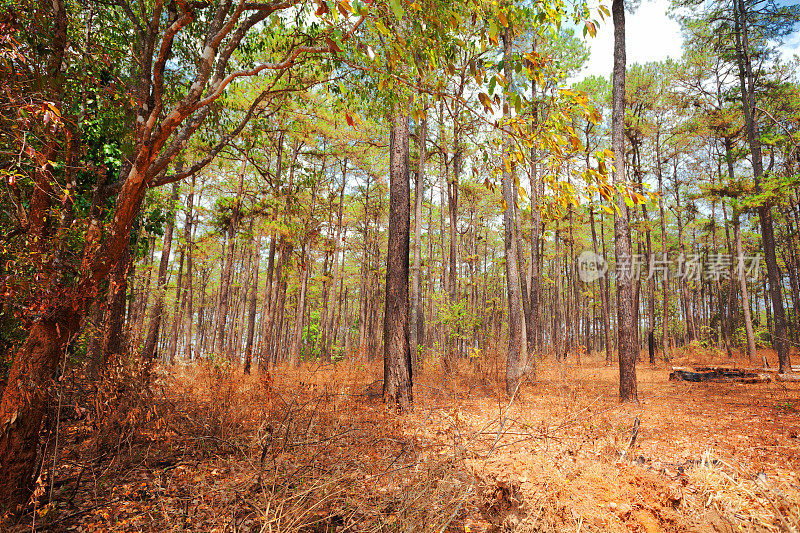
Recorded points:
(741,276)
(267,309)
(148,352)
(516,354)
(397,369)
(297,338)
(223,306)
(536,233)
(189,294)
(328,332)
(417,315)
(626,313)
(603,296)
(251,311)
(664,255)
(764,211)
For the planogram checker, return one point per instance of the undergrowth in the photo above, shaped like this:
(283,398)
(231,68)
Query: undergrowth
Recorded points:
(313,449)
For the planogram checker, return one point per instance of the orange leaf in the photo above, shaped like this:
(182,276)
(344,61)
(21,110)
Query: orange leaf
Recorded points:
(484,98)
(503,19)
(332,45)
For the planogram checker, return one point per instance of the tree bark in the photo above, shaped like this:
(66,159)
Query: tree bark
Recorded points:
(626,321)
(516,353)
(603,296)
(740,273)
(664,255)
(297,338)
(176,310)
(267,309)
(452,281)
(328,332)
(189,293)
(251,313)
(764,211)
(397,369)
(417,313)
(24,404)
(227,273)
(148,352)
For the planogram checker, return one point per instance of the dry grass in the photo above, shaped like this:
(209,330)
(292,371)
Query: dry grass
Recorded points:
(314,449)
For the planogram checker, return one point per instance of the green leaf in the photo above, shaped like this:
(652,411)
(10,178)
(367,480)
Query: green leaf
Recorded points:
(493,30)
(628,201)
(397,9)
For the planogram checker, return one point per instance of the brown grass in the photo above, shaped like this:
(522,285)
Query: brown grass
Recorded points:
(314,449)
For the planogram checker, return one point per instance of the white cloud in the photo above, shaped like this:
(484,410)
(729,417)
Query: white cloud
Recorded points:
(791,46)
(650,35)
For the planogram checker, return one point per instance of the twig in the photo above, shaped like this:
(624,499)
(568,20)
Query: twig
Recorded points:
(503,422)
(458,508)
(634,434)
(58,424)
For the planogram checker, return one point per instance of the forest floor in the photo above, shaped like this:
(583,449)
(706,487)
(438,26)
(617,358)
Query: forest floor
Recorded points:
(314,449)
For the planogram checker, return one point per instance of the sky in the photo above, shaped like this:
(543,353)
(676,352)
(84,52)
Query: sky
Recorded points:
(650,36)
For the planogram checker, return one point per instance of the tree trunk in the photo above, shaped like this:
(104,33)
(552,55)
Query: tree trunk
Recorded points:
(536,233)
(740,273)
(189,298)
(297,338)
(664,256)
(397,369)
(276,341)
(625,307)
(143,298)
(603,295)
(276,307)
(148,352)
(417,314)
(201,324)
(328,332)
(251,312)
(111,339)
(556,336)
(516,354)
(223,306)
(764,211)
(176,311)
(452,281)
(267,309)
(24,404)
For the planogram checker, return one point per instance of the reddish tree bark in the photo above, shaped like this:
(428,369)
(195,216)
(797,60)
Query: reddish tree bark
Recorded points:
(24,403)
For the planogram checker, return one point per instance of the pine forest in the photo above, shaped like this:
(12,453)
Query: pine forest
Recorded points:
(399,265)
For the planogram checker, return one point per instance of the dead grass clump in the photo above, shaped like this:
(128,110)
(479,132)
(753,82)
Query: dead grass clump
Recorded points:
(313,449)
(748,500)
(336,460)
(212,403)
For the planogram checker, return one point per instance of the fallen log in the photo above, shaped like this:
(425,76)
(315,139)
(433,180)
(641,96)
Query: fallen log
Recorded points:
(718,375)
